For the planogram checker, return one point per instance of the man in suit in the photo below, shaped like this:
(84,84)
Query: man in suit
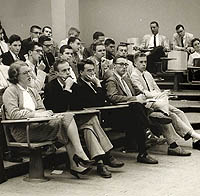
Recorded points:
(14,51)
(48,58)
(157,45)
(35,32)
(182,40)
(58,96)
(98,37)
(90,94)
(143,80)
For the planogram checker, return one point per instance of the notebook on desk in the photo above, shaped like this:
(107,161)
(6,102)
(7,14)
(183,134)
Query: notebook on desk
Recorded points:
(197,62)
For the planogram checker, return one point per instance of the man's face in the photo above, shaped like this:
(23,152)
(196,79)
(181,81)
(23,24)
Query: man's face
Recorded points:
(154,28)
(121,66)
(63,71)
(24,76)
(196,45)
(47,32)
(35,34)
(1,34)
(15,47)
(37,53)
(100,39)
(181,32)
(88,71)
(141,63)
(47,46)
(122,51)
(67,54)
(76,45)
(73,34)
(111,48)
(100,52)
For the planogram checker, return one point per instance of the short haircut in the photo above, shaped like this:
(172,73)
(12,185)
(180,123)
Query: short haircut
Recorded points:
(72,29)
(118,57)
(72,40)
(48,27)
(13,71)
(31,45)
(14,38)
(179,26)
(122,45)
(43,38)
(109,41)
(139,54)
(34,27)
(62,49)
(97,44)
(58,62)
(194,40)
(97,34)
(81,64)
(154,22)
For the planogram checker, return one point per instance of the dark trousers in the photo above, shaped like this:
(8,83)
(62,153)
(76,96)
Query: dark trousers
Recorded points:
(153,58)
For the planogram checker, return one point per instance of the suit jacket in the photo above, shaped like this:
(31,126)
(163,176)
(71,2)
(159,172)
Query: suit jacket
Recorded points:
(87,96)
(48,60)
(162,41)
(115,92)
(57,99)
(7,58)
(186,41)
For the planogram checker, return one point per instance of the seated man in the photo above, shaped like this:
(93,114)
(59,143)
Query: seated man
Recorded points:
(182,40)
(145,82)
(158,44)
(58,96)
(110,49)
(37,66)
(98,37)
(14,51)
(90,94)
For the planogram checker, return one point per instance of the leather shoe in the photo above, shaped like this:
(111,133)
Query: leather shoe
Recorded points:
(145,158)
(113,162)
(196,145)
(154,141)
(103,171)
(159,117)
(178,151)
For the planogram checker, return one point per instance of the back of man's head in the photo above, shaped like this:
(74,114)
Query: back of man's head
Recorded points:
(44,38)
(72,40)
(97,34)
(109,41)
(73,32)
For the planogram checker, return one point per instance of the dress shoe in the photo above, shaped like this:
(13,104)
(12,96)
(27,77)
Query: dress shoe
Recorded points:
(178,151)
(113,162)
(145,158)
(103,171)
(196,145)
(159,117)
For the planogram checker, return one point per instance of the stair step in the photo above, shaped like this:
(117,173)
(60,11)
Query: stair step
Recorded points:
(193,117)
(185,104)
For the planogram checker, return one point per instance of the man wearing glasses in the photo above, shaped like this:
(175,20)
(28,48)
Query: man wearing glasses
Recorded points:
(35,32)
(37,66)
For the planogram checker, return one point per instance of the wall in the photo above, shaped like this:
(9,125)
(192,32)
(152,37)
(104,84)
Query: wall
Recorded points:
(18,15)
(121,19)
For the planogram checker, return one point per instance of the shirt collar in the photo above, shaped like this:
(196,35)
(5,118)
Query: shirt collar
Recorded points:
(13,55)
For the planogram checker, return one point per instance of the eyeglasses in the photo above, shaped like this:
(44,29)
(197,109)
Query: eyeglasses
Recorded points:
(26,73)
(122,64)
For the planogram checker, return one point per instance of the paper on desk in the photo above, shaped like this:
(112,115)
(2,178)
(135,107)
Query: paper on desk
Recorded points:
(57,172)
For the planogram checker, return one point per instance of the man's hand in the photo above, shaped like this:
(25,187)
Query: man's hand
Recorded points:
(68,83)
(105,64)
(94,80)
(41,66)
(141,98)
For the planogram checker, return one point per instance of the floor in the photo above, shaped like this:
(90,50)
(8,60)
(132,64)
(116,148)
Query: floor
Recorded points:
(173,176)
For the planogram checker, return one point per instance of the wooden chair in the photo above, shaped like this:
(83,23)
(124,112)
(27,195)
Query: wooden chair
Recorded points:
(36,169)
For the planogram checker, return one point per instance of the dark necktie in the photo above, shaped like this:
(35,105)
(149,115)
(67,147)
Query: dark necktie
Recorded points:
(100,71)
(154,41)
(182,44)
(146,82)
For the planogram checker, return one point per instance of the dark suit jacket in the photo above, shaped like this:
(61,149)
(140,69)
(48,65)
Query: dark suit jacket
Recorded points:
(115,92)
(49,61)
(7,58)
(57,99)
(87,97)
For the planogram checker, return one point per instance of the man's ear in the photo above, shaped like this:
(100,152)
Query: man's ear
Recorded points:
(30,53)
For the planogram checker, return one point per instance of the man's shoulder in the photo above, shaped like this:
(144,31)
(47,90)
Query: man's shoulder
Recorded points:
(190,35)
(147,36)
(6,54)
